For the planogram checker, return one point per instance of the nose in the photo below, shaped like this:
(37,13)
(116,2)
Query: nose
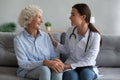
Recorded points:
(70,17)
(41,21)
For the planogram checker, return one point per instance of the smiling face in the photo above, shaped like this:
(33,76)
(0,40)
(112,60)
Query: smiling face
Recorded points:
(36,21)
(76,18)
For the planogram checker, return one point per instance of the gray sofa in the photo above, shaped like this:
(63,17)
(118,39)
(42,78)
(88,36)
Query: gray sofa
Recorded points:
(107,61)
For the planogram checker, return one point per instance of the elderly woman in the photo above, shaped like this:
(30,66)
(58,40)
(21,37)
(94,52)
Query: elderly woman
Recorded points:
(35,53)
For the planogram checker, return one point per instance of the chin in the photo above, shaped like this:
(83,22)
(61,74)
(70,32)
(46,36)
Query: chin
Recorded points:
(73,25)
(38,28)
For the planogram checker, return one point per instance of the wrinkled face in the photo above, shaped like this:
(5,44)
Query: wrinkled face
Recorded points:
(36,21)
(76,18)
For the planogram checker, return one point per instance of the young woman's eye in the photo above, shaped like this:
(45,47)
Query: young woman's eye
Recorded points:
(72,15)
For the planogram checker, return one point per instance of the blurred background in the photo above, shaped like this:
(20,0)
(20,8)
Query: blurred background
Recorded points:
(104,12)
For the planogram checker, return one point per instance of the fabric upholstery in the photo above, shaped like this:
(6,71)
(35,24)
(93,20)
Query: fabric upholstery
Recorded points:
(56,35)
(9,73)
(108,73)
(7,56)
(109,55)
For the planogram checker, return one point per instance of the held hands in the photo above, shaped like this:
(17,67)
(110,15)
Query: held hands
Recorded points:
(56,64)
(65,66)
(55,43)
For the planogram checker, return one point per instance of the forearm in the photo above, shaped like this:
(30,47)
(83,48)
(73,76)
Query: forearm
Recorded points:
(54,42)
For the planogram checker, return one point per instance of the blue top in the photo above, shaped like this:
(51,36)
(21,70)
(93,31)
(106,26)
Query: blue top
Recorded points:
(31,52)
(80,37)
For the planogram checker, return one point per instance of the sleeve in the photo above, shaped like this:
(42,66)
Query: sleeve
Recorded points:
(22,58)
(91,54)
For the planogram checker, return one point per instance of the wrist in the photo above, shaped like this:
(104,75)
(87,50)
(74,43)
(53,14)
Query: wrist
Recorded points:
(46,62)
(55,43)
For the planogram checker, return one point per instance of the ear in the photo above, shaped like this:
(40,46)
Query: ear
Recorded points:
(84,17)
(29,21)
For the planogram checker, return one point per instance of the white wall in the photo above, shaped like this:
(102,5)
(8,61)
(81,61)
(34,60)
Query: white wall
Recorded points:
(106,13)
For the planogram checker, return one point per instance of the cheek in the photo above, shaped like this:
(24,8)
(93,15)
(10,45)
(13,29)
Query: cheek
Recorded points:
(73,22)
(78,21)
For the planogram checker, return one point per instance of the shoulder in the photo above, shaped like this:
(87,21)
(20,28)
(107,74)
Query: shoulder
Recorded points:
(19,35)
(96,35)
(44,34)
(19,38)
(70,29)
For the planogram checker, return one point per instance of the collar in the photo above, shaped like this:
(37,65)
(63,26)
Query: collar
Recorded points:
(86,34)
(29,35)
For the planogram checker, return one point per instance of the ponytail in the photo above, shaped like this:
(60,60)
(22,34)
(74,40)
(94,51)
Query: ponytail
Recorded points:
(92,28)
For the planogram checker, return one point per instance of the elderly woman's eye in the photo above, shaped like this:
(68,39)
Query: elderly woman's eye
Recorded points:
(39,17)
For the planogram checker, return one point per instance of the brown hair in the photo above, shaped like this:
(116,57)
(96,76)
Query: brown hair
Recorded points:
(83,9)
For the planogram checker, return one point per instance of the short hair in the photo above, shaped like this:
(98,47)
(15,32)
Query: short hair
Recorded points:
(27,14)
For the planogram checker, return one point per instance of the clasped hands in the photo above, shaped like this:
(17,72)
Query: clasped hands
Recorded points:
(56,64)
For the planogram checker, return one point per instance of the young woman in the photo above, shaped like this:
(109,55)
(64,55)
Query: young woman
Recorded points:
(81,46)
(34,50)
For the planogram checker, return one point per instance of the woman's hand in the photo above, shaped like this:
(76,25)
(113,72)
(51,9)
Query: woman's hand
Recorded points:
(55,43)
(67,66)
(58,66)
(55,64)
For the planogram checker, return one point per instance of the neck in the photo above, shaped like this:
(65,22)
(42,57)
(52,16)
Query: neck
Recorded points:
(82,30)
(32,32)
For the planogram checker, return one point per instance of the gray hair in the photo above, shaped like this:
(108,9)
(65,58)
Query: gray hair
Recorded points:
(27,14)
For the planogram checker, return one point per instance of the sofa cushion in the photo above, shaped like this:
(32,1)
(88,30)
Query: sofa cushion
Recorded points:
(9,73)
(7,56)
(109,55)
(109,73)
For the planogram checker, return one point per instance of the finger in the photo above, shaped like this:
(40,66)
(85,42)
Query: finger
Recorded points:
(55,70)
(59,68)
